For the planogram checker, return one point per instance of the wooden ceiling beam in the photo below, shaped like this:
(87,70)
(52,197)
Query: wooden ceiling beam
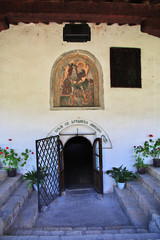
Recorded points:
(151,26)
(81,11)
(14,18)
(4,24)
(81,8)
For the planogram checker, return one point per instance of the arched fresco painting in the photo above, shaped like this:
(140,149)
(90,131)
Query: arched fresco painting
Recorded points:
(75,81)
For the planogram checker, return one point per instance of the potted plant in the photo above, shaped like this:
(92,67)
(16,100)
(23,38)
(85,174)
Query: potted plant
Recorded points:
(155,150)
(150,148)
(140,153)
(11,160)
(121,176)
(140,165)
(32,177)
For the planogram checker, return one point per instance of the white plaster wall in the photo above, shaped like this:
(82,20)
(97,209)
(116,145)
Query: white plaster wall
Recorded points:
(27,54)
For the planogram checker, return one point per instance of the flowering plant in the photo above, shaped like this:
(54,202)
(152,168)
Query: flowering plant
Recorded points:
(154,147)
(150,148)
(11,159)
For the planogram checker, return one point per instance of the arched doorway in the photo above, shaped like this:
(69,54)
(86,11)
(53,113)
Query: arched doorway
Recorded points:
(78,162)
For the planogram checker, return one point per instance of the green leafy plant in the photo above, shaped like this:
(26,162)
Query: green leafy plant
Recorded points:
(11,159)
(154,147)
(32,177)
(139,164)
(121,174)
(149,148)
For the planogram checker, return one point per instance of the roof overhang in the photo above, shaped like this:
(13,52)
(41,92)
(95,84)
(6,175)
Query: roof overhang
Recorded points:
(145,14)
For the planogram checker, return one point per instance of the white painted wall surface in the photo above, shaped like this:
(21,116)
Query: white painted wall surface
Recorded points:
(27,54)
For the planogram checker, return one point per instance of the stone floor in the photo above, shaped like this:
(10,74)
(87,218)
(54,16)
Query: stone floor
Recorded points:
(79,210)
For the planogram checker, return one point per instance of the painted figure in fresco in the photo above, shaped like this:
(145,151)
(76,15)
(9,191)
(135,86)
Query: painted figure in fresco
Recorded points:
(81,73)
(74,79)
(66,80)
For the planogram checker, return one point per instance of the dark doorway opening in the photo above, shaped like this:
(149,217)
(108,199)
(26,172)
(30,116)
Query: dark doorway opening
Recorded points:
(78,163)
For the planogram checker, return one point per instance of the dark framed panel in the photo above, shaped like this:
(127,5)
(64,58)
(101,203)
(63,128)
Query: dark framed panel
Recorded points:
(125,67)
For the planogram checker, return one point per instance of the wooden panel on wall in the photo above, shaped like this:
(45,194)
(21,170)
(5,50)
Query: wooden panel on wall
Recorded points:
(125,64)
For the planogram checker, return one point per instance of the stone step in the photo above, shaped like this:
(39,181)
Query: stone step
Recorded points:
(152,184)
(3,175)
(27,216)
(155,172)
(91,236)
(80,191)
(69,231)
(145,199)
(131,207)
(10,210)
(7,187)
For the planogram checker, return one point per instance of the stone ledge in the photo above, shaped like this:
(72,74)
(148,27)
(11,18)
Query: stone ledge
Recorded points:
(145,198)
(3,175)
(133,236)
(131,208)
(8,186)
(155,172)
(10,210)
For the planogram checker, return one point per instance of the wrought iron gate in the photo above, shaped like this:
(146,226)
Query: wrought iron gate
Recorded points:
(47,152)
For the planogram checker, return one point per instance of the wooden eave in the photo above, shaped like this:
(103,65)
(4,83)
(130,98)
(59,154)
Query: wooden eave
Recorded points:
(145,14)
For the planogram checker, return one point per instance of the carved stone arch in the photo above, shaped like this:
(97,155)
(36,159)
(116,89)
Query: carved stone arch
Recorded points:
(76,82)
(81,127)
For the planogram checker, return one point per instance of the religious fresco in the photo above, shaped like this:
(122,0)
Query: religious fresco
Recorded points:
(77,84)
(75,81)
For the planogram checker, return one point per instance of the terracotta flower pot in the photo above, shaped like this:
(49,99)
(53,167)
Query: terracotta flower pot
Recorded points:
(12,172)
(156,162)
(141,170)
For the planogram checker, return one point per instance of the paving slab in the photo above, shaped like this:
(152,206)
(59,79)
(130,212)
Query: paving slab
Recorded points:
(83,210)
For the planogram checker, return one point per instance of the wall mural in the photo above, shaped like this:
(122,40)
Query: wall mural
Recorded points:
(77,85)
(75,81)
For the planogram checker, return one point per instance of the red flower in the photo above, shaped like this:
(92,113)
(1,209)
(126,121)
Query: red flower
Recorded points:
(134,146)
(7,147)
(150,135)
(5,155)
(1,152)
(10,139)
(32,152)
(159,149)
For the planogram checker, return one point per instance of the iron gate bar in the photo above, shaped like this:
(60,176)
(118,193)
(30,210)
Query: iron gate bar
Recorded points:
(47,169)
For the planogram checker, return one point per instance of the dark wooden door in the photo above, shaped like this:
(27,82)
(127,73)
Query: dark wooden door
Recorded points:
(97,165)
(61,166)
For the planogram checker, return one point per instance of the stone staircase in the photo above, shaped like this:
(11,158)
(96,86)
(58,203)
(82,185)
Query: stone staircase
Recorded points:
(13,194)
(140,201)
